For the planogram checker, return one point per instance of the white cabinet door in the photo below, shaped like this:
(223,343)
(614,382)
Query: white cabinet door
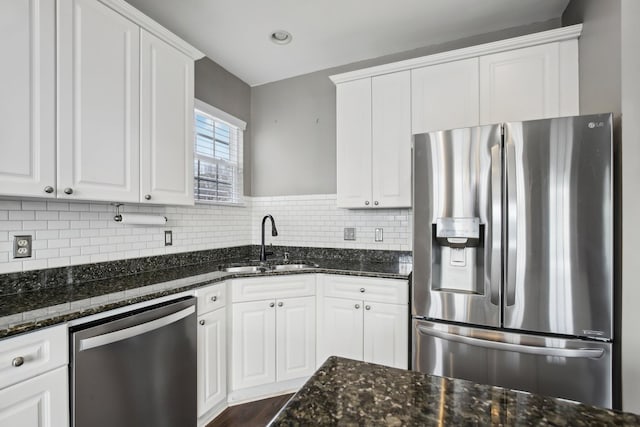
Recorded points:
(166,120)
(253,337)
(27,90)
(386,334)
(342,329)
(98,103)
(212,360)
(353,150)
(522,84)
(296,337)
(445,96)
(42,401)
(391,140)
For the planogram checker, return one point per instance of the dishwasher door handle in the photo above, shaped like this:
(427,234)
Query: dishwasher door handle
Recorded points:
(132,331)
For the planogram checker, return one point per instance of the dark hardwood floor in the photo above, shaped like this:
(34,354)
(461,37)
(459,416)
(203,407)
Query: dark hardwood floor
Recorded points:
(252,414)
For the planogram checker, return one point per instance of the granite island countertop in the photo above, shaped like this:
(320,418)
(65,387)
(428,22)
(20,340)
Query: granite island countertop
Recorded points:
(346,392)
(31,309)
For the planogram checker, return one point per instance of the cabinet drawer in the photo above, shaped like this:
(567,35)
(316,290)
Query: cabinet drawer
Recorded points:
(393,291)
(34,352)
(211,298)
(260,288)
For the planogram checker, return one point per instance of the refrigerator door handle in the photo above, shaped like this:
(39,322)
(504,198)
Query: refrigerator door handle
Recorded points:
(512,222)
(584,353)
(496,224)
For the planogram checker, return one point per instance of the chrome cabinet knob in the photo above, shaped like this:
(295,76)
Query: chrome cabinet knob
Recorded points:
(272,305)
(147,196)
(68,190)
(376,203)
(367,307)
(48,189)
(357,306)
(201,322)
(214,298)
(17,361)
(280,304)
(362,290)
(366,203)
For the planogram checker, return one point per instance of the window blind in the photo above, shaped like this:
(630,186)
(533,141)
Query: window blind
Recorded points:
(217,160)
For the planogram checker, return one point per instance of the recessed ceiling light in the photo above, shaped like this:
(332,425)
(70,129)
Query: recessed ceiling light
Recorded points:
(281,37)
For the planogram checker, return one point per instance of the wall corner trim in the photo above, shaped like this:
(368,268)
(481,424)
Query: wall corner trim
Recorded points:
(543,37)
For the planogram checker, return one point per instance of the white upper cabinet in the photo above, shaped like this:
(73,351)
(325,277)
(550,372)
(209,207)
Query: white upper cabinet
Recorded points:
(530,83)
(27,103)
(374,142)
(166,120)
(445,96)
(353,151)
(99,103)
(391,140)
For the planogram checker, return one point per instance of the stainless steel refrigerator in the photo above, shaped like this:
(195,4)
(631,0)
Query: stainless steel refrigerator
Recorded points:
(513,256)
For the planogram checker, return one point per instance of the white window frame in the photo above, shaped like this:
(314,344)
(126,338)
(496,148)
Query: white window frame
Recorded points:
(222,116)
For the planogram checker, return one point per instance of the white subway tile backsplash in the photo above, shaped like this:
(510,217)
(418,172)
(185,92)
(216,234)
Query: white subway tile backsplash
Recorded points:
(71,233)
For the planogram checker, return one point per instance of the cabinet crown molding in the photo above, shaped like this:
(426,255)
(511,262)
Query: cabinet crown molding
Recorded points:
(148,24)
(555,35)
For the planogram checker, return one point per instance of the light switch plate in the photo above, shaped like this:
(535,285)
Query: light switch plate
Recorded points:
(168,238)
(22,246)
(379,236)
(349,233)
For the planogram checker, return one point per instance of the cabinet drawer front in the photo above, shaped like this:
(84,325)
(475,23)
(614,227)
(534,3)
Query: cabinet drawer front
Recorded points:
(260,288)
(211,298)
(394,291)
(33,353)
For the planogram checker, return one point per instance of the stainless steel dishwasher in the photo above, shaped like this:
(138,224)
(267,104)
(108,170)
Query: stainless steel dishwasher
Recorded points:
(136,369)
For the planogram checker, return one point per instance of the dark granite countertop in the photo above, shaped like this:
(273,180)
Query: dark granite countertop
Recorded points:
(346,392)
(178,279)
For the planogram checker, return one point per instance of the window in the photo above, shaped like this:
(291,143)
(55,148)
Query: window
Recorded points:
(217,155)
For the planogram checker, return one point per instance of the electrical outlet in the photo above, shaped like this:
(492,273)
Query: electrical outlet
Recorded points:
(22,246)
(349,233)
(379,235)
(168,238)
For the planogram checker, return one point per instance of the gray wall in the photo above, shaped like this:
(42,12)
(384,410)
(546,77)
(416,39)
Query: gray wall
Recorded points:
(630,204)
(218,87)
(294,123)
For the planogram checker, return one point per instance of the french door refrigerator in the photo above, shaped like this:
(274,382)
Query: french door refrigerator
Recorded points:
(513,256)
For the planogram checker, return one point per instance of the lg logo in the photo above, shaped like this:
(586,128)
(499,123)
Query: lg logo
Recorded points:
(593,125)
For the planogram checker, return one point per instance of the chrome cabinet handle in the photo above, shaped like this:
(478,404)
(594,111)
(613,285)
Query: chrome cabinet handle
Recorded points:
(272,305)
(367,307)
(366,203)
(147,196)
(17,361)
(512,222)
(362,290)
(357,306)
(201,322)
(376,203)
(48,189)
(214,298)
(68,190)
(280,304)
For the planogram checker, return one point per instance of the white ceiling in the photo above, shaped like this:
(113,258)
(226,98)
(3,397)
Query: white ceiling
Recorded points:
(329,33)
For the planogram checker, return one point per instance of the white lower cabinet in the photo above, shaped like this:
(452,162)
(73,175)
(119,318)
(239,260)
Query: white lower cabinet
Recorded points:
(212,360)
(42,401)
(273,334)
(364,319)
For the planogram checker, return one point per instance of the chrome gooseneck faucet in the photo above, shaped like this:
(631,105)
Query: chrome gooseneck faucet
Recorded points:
(274,232)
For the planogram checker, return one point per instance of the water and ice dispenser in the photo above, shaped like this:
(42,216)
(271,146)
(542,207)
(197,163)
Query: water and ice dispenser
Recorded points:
(457,255)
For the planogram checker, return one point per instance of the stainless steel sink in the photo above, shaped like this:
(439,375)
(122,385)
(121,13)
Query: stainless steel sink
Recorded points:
(246,269)
(284,267)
